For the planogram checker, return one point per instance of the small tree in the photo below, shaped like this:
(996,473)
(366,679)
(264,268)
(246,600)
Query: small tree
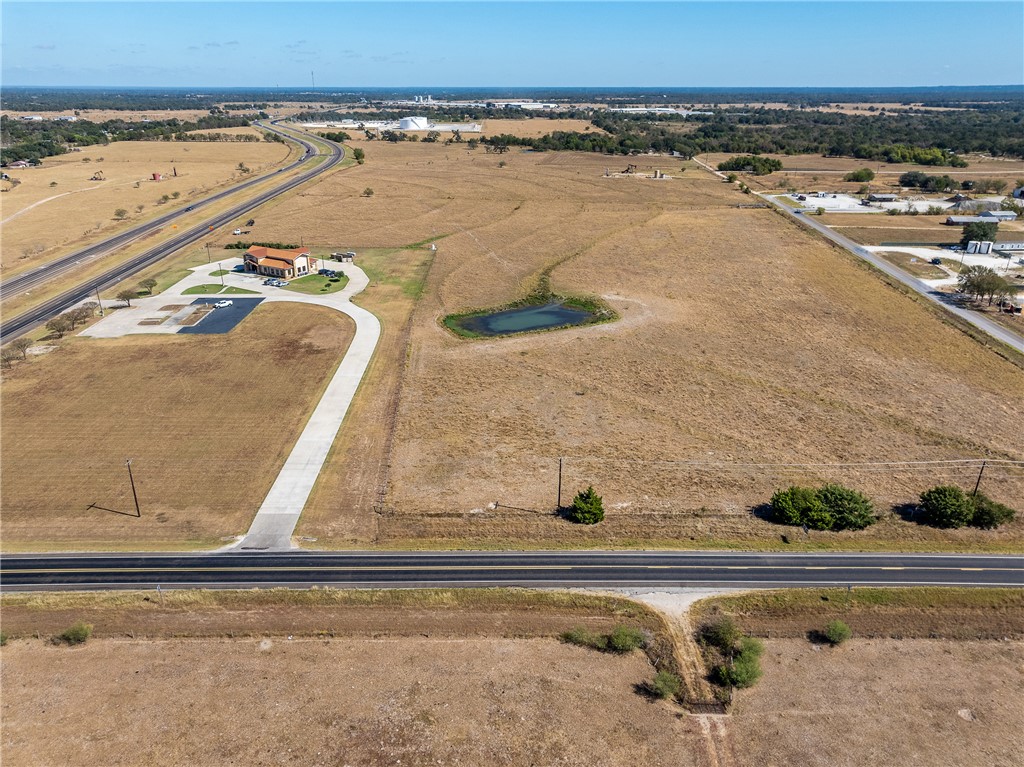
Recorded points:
(864,174)
(148,284)
(368,192)
(359,155)
(587,508)
(120,214)
(139,208)
(59,325)
(21,346)
(126,295)
(665,685)
(176,195)
(946,506)
(731,178)
(7,356)
(980,231)
(837,632)
(795,505)
(243,168)
(851,510)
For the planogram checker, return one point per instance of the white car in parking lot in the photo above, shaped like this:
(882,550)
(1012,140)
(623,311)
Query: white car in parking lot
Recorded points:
(223,304)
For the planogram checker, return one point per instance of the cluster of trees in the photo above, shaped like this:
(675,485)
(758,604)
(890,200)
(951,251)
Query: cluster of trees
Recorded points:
(339,136)
(247,245)
(982,282)
(916,155)
(31,140)
(239,137)
(759,166)
(915,179)
(66,323)
(862,175)
(735,657)
(830,507)
(16,349)
(950,507)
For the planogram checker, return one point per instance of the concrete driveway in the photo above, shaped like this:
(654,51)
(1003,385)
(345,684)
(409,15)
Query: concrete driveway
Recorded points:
(275,521)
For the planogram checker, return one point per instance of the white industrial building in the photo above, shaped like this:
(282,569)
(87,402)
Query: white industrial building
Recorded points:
(412,123)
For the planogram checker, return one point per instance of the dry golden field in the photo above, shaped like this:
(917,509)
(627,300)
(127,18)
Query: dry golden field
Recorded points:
(883,701)
(207,419)
(536,127)
(474,677)
(411,701)
(743,340)
(56,206)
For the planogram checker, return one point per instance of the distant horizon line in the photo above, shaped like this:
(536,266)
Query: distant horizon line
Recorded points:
(668,88)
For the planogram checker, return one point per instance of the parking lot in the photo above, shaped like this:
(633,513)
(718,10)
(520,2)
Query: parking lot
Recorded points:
(223,319)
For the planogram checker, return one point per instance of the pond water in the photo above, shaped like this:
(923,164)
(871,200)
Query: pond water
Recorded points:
(526,318)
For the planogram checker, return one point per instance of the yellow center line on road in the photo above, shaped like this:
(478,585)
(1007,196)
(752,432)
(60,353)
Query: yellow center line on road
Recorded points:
(457,568)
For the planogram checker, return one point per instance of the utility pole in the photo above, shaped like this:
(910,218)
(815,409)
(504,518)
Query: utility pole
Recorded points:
(560,483)
(131,479)
(207,252)
(978,483)
(221,274)
(98,300)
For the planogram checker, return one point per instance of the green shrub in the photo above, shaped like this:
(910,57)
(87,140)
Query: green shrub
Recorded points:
(989,514)
(744,669)
(587,507)
(851,510)
(626,638)
(585,638)
(946,506)
(864,174)
(77,634)
(837,632)
(831,507)
(721,633)
(665,684)
(3,639)
(794,505)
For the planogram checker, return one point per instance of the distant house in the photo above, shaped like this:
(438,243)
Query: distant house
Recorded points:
(998,215)
(67,118)
(271,262)
(19,164)
(882,197)
(32,118)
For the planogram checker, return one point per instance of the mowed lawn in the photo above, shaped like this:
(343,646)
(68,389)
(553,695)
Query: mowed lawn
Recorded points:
(207,421)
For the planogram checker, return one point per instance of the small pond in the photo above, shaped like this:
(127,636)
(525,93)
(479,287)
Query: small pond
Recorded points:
(524,319)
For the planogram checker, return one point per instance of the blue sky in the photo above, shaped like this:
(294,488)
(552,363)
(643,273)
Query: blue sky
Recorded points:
(682,44)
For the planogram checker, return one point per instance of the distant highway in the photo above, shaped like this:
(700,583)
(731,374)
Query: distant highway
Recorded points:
(16,326)
(662,569)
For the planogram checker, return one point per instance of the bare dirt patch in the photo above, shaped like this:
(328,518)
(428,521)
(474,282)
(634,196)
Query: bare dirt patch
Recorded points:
(208,421)
(322,702)
(905,702)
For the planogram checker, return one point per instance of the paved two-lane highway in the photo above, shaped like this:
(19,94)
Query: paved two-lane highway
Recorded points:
(529,569)
(20,324)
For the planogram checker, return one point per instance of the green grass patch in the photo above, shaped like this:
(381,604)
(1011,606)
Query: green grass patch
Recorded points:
(219,272)
(238,291)
(203,290)
(317,284)
(404,267)
(918,597)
